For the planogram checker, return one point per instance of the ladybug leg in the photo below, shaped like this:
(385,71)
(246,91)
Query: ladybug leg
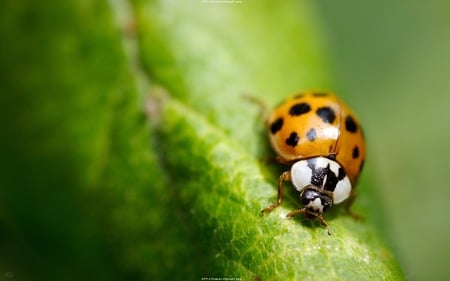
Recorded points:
(296,212)
(285,176)
(263,112)
(349,203)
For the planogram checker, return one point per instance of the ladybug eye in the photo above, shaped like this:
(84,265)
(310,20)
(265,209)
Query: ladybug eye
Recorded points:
(326,202)
(308,195)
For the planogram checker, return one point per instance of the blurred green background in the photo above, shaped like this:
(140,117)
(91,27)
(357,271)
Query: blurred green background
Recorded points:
(393,59)
(390,61)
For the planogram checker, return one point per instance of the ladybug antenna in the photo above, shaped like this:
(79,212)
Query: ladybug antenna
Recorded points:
(324,223)
(311,216)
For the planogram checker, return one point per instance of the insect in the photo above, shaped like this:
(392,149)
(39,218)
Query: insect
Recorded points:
(321,138)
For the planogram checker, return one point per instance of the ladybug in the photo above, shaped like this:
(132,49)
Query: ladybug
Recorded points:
(322,140)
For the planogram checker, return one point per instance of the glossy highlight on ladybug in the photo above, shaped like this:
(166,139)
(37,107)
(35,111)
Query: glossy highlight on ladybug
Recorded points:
(322,140)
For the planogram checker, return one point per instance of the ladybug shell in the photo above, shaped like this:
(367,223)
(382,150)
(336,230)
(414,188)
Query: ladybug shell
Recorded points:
(315,124)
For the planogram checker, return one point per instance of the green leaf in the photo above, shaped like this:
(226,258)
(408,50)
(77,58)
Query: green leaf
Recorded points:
(222,189)
(90,191)
(207,56)
(78,177)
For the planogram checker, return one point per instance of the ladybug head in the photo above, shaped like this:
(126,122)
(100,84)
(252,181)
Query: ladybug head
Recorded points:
(315,202)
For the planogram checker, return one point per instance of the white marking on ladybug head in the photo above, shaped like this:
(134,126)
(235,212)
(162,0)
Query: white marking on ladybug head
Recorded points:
(316,205)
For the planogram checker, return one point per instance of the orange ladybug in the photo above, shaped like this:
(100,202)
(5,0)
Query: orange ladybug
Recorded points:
(322,140)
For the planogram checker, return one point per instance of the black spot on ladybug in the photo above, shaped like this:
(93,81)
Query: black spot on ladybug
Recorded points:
(320,94)
(293,139)
(361,166)
(276,125)
(341,174)
(355,153)
(350,124)
(326,114)
(311,134)
(299,109)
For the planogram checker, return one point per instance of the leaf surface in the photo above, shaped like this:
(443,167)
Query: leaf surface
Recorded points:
(91,191)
